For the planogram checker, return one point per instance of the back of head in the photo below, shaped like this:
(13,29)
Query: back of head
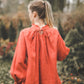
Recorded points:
(44,10)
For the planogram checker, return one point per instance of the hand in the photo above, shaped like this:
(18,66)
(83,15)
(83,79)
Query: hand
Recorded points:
(19,82)
(15,82)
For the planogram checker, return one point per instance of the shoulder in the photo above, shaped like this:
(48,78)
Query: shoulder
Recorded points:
(25,30)
(55,30)
(55,27)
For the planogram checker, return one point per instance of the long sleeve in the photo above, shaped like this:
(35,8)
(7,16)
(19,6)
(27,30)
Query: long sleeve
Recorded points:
(62,49)
(18,66)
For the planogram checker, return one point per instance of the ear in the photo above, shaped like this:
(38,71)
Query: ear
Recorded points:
(34,13)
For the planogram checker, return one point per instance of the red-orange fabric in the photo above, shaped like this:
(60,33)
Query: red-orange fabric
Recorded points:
(43,51)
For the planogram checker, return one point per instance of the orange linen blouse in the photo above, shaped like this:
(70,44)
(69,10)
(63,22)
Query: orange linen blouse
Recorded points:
(36,55)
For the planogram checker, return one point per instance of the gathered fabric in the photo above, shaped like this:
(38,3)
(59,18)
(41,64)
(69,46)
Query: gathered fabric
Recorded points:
(36,55)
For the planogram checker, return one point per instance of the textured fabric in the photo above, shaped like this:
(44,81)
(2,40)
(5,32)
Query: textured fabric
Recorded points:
(36,55)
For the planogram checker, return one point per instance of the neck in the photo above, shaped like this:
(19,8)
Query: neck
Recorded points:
(39,22)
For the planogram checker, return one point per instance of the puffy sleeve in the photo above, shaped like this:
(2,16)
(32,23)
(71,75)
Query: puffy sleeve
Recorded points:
(62,49)
(19,65)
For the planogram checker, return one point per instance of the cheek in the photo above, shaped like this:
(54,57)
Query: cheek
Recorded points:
(30,16)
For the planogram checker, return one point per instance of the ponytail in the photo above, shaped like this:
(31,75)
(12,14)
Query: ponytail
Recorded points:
(44,10)
(48,14)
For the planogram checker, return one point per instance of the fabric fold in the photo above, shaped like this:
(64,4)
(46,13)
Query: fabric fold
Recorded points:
(19,65)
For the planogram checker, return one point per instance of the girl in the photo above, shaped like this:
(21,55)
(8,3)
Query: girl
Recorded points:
(38,48)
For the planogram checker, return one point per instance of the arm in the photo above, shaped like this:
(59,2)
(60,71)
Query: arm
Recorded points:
(62,49)
(18,67)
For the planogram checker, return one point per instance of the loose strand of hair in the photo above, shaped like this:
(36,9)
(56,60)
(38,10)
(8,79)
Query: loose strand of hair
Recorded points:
(49,15)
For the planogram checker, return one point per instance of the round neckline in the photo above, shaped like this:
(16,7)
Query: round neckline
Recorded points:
(41,27)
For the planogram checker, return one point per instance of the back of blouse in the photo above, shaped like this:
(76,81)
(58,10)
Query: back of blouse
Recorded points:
(36,56)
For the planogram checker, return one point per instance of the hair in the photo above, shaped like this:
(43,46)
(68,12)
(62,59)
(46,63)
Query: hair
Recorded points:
(44,10)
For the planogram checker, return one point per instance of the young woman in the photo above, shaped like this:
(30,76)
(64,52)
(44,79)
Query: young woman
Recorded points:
(38,48)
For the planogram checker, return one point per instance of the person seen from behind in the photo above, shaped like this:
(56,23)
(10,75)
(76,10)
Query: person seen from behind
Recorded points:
(38,48)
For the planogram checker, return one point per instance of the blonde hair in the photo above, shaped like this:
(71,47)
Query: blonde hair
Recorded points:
(44,10)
